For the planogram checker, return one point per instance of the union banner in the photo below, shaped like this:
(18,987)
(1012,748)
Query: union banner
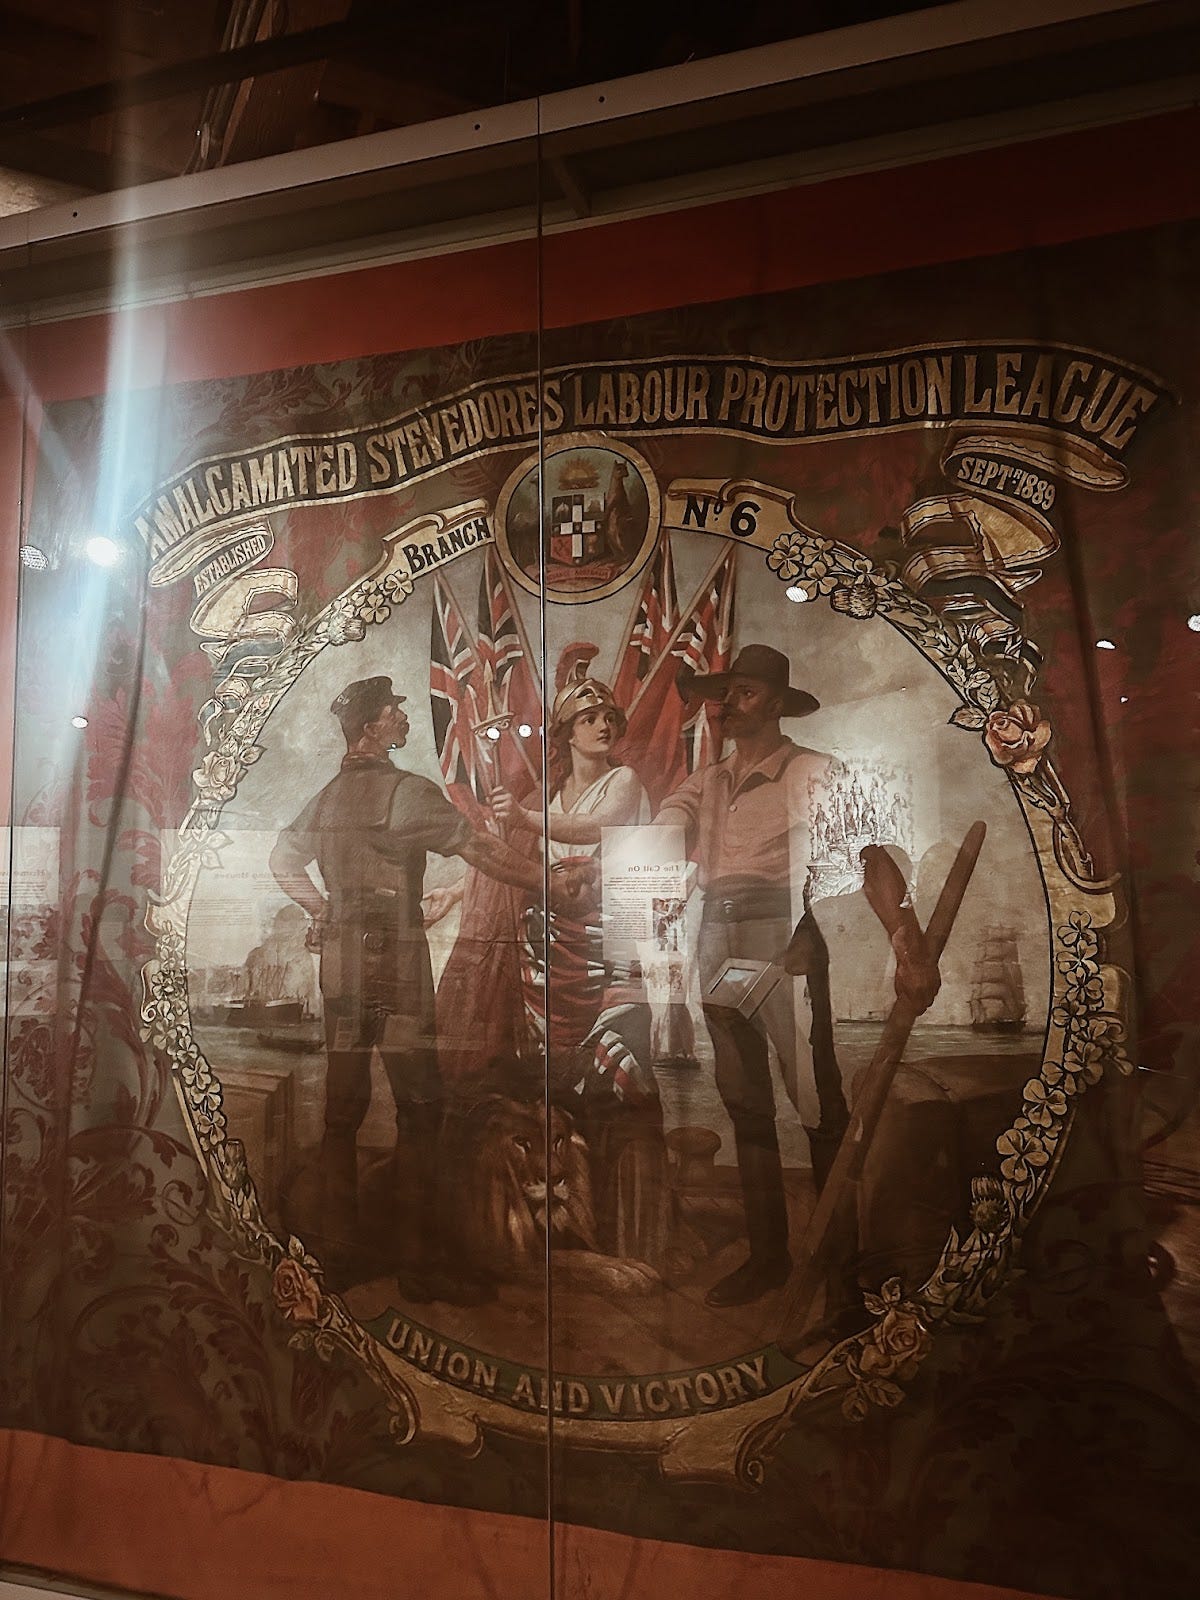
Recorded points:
(606,904)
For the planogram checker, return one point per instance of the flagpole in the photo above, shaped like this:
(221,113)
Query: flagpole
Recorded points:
(454,612)
(685,617)
(516,615)
(638,599)
(493,560)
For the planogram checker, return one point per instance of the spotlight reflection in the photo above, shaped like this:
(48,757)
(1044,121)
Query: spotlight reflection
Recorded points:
(103,551)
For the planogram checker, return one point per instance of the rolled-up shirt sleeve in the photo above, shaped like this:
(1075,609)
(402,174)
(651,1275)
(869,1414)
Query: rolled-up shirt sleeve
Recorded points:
(296,847)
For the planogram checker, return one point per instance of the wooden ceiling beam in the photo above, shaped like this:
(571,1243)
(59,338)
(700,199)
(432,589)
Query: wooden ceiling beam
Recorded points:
(398,99)
(271,113)
(81,168)
(119,30)
(81,17)
(182,77)
(39,57)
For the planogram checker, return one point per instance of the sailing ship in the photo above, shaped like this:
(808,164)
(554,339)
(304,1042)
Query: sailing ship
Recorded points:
(998,992)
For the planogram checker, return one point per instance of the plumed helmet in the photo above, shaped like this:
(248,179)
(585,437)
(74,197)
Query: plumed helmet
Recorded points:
(580,693)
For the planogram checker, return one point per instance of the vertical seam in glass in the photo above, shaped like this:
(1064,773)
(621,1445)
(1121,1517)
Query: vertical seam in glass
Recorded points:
(21,400)
(548,1139)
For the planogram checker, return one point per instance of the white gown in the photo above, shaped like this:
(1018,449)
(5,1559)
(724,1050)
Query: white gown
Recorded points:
(590,800)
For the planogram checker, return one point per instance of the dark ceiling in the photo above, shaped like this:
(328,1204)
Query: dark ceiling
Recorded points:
(101,96)
(95,98)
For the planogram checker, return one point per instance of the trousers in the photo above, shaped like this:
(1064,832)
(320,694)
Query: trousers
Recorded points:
(408,1056)
(785,1018)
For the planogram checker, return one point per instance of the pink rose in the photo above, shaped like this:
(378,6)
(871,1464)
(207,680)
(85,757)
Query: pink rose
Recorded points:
(297,1293)
(1016,738)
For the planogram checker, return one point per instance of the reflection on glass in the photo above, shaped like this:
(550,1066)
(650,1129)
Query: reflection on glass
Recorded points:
(740,913)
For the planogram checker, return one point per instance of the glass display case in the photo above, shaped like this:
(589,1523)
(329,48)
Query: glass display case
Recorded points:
(598,982)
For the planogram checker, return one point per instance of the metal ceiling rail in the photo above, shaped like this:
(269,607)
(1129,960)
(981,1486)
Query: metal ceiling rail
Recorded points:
(955,76)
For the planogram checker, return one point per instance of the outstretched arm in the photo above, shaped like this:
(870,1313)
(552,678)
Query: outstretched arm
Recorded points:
(440,902)
(497,860)
(681,808)
(621,804)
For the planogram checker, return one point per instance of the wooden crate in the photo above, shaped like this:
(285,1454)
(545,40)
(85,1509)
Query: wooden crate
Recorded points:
(259,1108)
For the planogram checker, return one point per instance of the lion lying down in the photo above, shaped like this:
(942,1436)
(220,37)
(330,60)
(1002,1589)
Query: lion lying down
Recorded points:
(507,1176)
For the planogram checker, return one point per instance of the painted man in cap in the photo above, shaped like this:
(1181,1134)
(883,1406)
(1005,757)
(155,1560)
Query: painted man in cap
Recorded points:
(746,823)
(368,832)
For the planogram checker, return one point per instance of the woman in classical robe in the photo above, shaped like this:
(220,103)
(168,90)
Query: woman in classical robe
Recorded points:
(596,1041)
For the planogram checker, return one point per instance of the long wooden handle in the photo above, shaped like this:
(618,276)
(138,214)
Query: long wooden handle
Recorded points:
(871,1097)
(955,886)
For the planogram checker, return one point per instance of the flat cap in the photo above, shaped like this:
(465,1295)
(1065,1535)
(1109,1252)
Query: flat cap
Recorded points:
(365,698)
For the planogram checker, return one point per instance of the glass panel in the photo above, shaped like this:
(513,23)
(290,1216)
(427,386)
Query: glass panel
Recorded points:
(551,959)
(25,867)
(277,1072)
(800,1040)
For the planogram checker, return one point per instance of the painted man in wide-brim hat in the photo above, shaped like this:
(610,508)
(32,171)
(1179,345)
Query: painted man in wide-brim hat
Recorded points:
(369,832)
(746,823)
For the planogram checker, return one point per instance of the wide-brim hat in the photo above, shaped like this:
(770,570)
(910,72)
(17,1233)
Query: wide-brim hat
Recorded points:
(365,699)
(768,666)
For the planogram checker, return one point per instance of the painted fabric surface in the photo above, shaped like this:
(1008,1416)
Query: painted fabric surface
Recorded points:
(268,1214)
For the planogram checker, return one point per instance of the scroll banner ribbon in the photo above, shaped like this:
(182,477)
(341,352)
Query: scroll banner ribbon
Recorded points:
(236,628)
(1084,406)
(973,550)
(740,509)
(239,632)
(970,551)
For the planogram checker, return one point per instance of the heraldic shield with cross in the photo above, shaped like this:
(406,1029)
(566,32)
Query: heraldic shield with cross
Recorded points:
(575,525)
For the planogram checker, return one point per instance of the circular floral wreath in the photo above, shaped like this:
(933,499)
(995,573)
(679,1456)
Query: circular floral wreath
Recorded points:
(1084,1040)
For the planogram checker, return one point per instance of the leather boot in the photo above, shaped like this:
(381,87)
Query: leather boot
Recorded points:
(768,1264)
(334,1228)
(843,1296)
(409,1191)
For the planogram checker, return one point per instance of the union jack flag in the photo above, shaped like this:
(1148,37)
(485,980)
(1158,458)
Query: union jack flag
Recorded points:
(672,732)
(651,627)
(627,1077)
(500,647)
(706,646)
(454,682)
(481,1014)
(507,681)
